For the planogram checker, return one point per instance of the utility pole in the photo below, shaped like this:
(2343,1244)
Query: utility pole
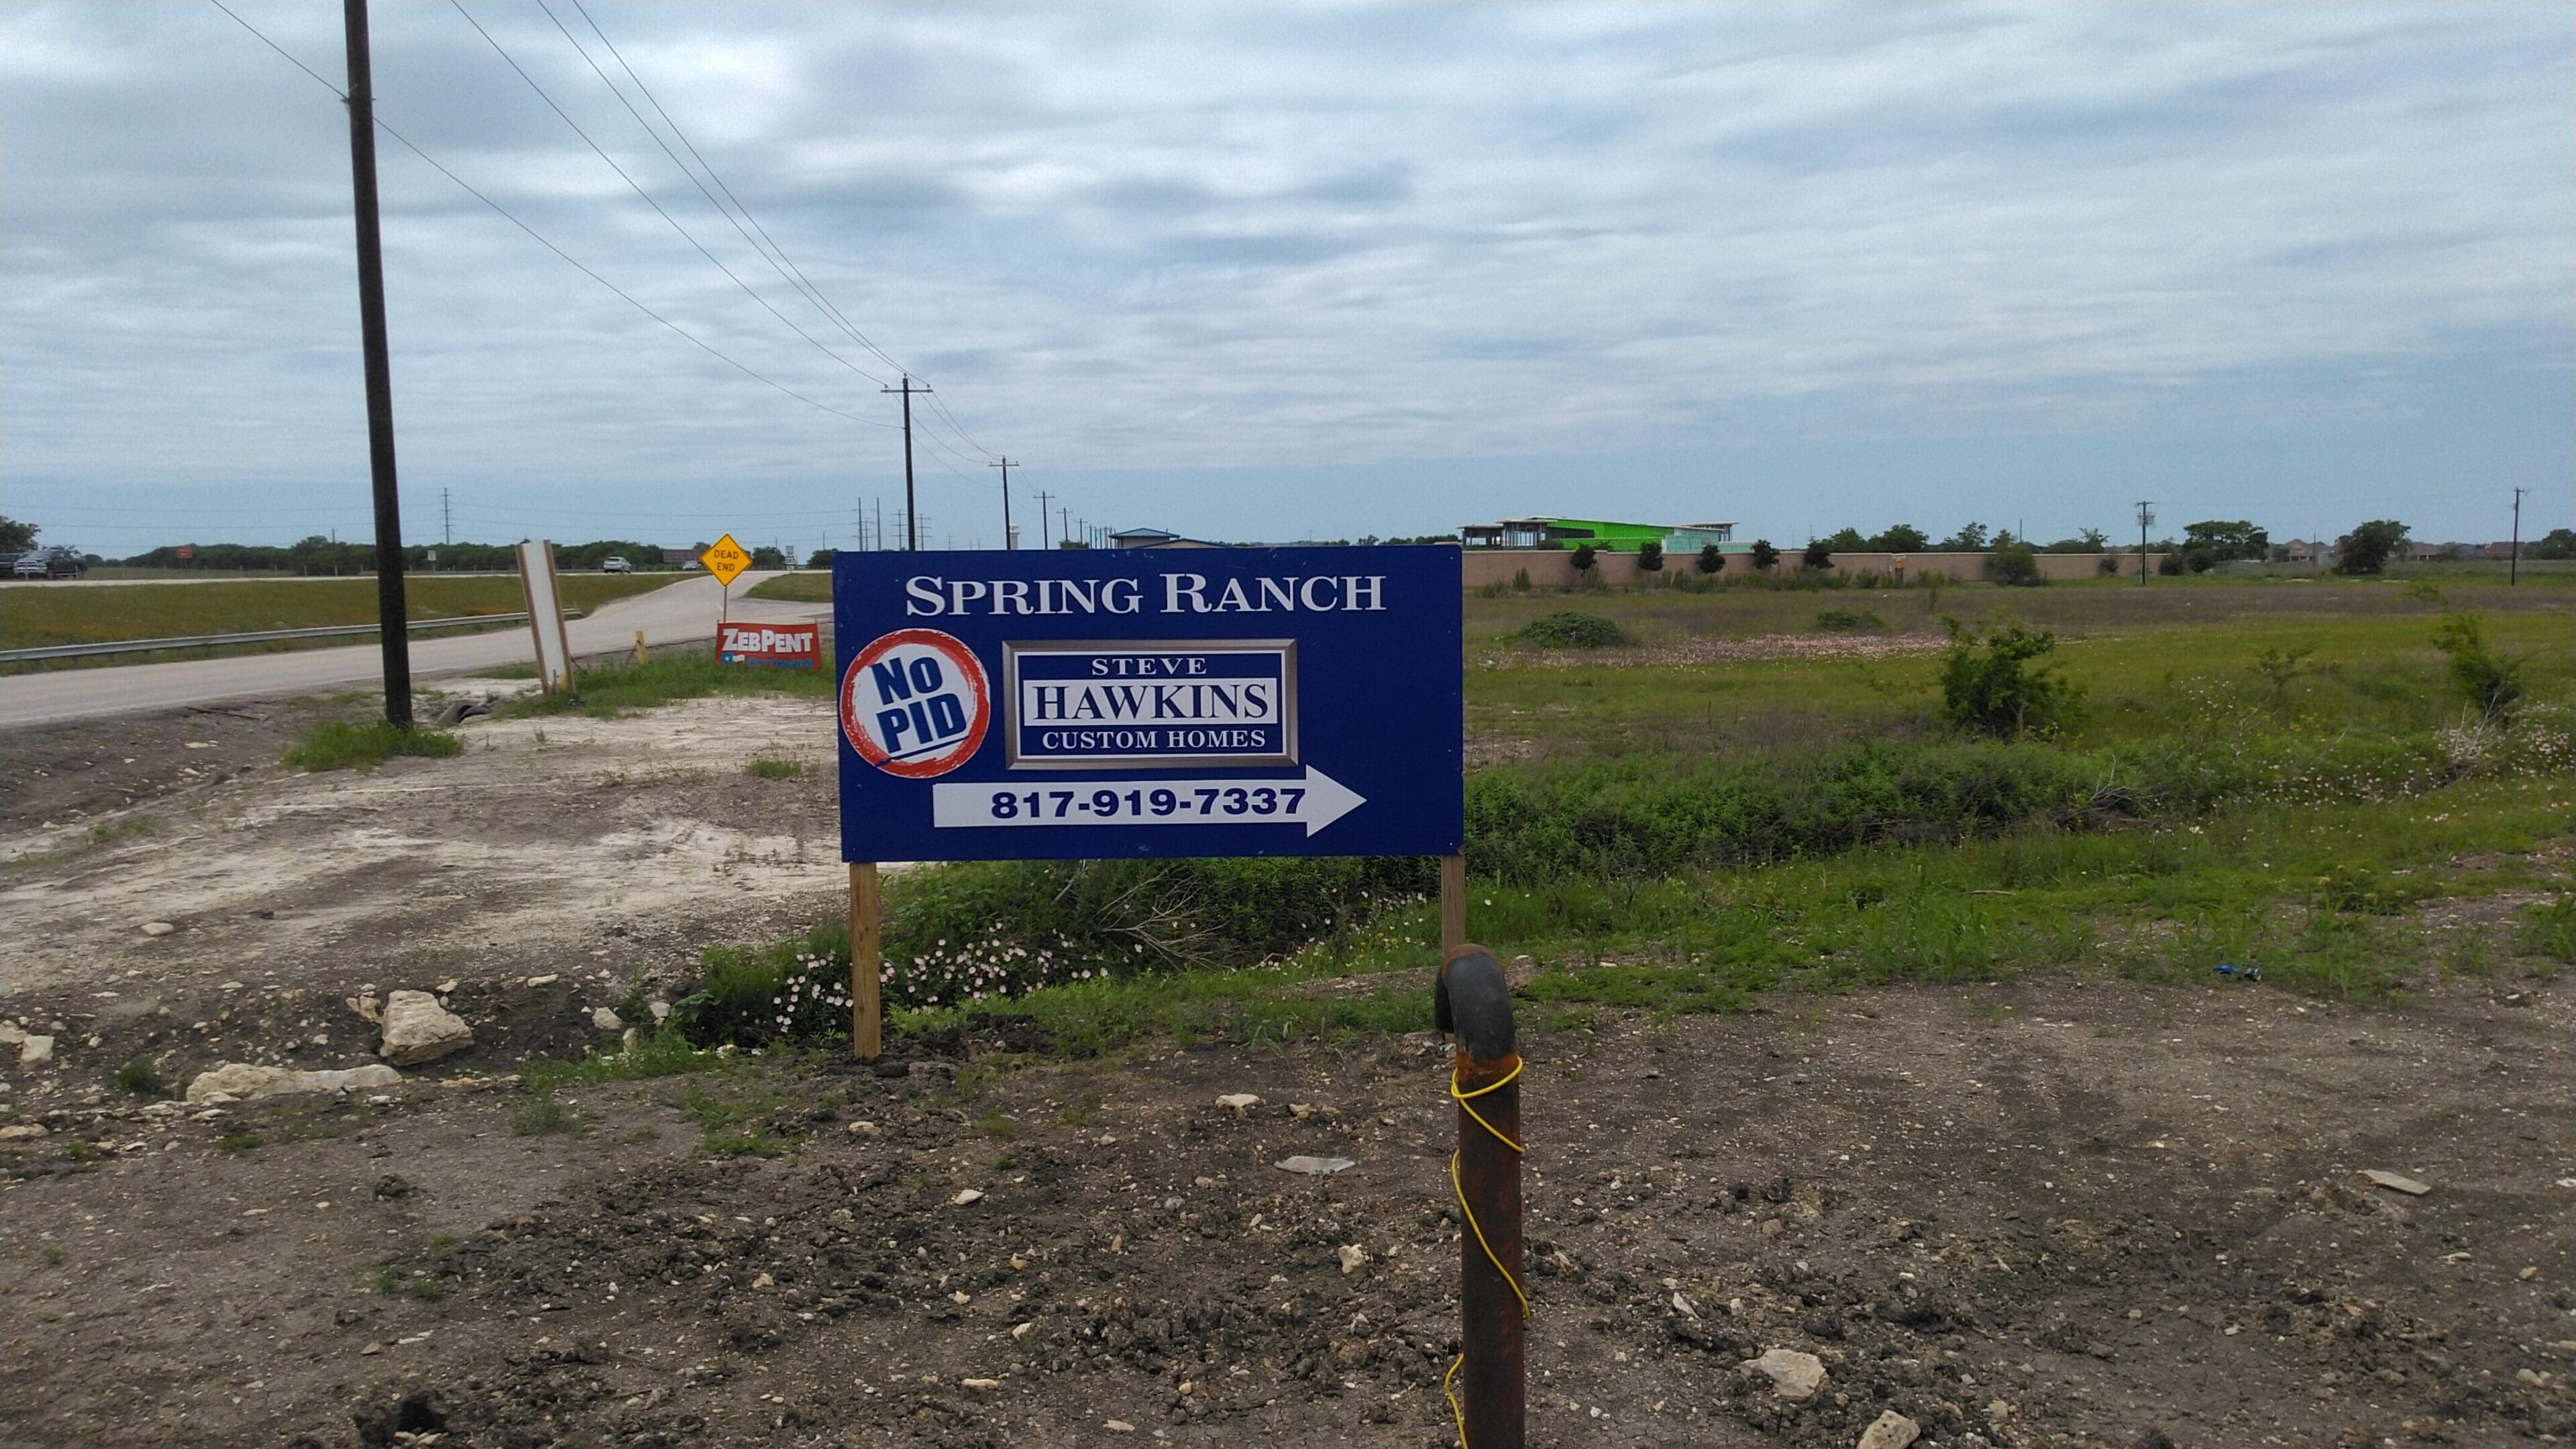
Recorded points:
(446,519)
(390,613)
(2144,518)
(1043,496)
(1064,522)
(911,532)
(1009,539)
(2513,570)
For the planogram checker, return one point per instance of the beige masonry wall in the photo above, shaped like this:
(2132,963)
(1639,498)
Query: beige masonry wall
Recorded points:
(1554,568)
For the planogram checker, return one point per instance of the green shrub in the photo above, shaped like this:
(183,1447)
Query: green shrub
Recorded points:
(2492,683)
(2015,564)
(1520,581)
(1650,557)
(766,768)
(1765,554)
(1990,686)
(142,1079)
(1569,629)
(1711,559)
(1849,619)
(338,745)
(1584,558)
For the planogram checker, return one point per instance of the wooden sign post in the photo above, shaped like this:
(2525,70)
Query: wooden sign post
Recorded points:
(867,963)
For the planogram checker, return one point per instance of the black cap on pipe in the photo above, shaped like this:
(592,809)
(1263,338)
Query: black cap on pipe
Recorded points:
(1473,1002)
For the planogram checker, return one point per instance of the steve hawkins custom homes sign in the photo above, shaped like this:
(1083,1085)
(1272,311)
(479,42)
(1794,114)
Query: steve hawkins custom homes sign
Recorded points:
(1030,705)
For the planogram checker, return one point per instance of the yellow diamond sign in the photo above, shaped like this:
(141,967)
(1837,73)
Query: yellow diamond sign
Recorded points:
(725,559)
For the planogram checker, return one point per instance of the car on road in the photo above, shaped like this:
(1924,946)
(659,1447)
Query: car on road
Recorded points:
(28,566)
(614,564)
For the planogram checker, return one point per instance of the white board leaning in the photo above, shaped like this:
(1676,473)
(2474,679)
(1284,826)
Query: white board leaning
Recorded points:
(545,614)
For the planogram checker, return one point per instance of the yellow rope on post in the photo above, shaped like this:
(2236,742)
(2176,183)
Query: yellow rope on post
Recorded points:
(1466,1104)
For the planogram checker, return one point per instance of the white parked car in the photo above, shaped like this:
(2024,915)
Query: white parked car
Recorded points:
(614,564)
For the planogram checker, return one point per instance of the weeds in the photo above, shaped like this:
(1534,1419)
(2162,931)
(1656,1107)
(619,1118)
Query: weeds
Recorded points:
(1850,620)
(546,1117)
(608,690)
(141,1078)
(767,768)
(338,745)
(734,1126)
(2549,930)
(1569,629)
(665,1053)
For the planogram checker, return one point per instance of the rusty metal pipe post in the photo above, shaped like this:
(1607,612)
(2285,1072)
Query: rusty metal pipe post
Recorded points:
(1473,1002)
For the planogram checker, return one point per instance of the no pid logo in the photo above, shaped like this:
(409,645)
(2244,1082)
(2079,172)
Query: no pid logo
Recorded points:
(915,703)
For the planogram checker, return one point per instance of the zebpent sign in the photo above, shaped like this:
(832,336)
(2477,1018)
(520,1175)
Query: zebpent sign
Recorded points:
(1072,704)
(773,646)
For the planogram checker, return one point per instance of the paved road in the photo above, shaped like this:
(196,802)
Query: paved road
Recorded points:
(684,612)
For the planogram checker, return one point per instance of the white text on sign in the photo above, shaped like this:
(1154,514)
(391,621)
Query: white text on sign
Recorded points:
(929,595)
(1313,801)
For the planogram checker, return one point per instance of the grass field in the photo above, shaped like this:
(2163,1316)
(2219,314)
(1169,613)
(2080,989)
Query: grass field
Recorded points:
(2265,775)
(809,586)
(34,615)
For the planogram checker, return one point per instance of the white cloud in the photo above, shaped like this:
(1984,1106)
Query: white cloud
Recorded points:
(1124,237)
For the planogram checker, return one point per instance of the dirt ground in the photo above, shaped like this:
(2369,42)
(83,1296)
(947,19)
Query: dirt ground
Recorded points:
(2057,1211)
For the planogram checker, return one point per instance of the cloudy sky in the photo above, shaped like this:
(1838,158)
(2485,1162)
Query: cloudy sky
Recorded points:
(1304,271)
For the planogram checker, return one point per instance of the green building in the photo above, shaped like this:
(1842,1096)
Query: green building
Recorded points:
(1601,533)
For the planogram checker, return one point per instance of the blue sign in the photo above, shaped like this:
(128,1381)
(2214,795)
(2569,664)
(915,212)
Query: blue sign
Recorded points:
(1153,702)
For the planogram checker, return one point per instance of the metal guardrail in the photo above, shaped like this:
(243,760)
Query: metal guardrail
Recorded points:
(262,636)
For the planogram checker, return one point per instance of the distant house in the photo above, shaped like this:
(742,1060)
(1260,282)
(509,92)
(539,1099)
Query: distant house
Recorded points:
(2501,550)
(1156,538)
(2301,551)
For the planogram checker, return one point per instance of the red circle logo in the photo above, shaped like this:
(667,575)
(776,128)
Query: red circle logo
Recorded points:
(915,703)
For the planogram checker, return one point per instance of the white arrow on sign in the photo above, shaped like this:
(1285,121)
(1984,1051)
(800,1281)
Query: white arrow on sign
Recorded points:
(1314,802)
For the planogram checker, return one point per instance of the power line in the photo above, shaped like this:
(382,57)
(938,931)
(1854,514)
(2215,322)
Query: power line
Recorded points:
(638,188)
(539,238)
(781,262)
(815,293)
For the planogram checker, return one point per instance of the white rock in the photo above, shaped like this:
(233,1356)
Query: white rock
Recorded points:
(158,928)
(2396,1182)
(1354,1258)
(1301,1110)
(1239,1101)
(606,1019)
(764,1281)
(418,1029)
(365,1005)
(1793,1375)
(1890,1430)
(233,1081)
(661,1010)
(548,979)
(981,1386)
(967,1195)
(1314,1166)
(863,1129)
(20,1131)
(35,1050)
(1021,1330)
(448,986)
(11,1033)
(1119,1426)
